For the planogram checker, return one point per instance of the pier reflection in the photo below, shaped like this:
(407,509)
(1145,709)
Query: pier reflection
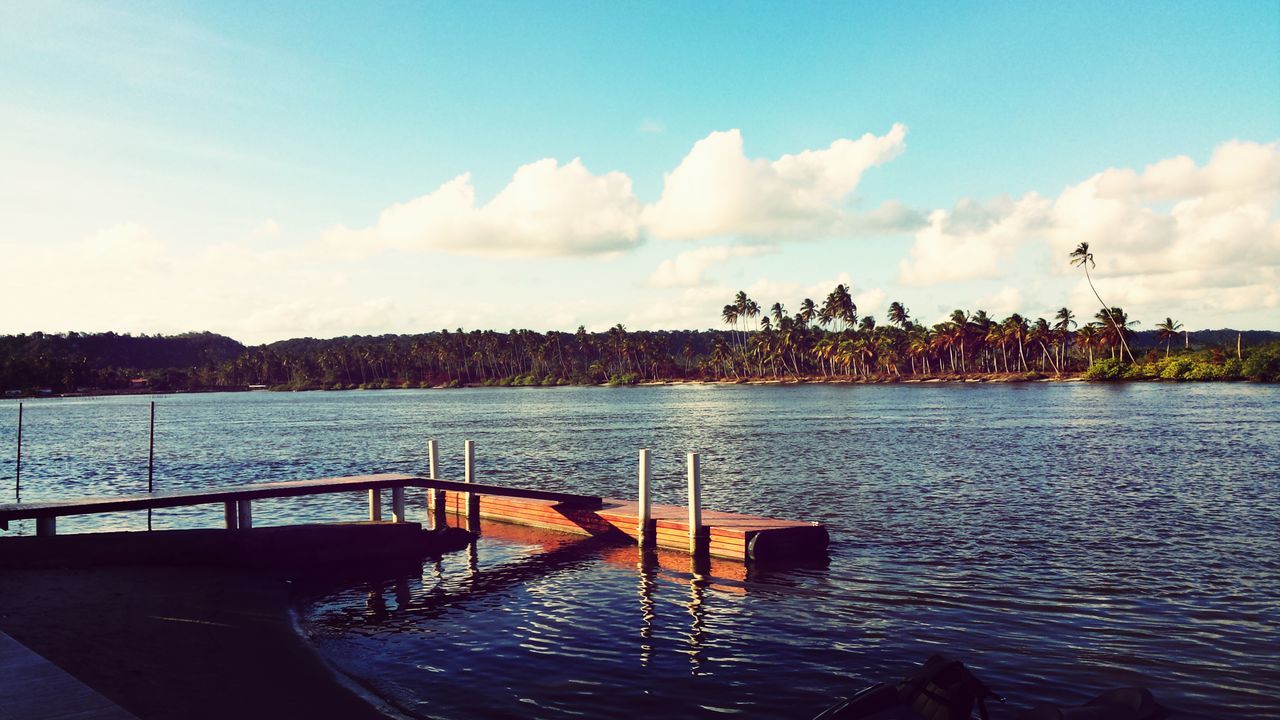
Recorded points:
(679,608)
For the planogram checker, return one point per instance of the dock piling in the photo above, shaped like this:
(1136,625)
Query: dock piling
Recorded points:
(244,514)
(229,514)
(469,476)
(375,505)
(697,534)
(436,501)
(46,526)
(644,508)
(397,504)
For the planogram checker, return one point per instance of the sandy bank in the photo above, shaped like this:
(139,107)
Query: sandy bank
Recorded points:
(167,642)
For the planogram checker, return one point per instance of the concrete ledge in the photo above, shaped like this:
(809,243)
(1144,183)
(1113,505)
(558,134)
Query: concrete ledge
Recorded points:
(320,546)
(33,688)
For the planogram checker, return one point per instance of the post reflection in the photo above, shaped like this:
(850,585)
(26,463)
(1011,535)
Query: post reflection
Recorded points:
(647,573)
(699,571)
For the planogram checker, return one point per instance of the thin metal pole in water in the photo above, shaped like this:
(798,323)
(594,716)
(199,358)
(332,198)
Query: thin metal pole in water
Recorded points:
(17,473)
(151,459)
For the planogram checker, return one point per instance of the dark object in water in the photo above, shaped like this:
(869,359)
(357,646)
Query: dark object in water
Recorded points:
(944,689)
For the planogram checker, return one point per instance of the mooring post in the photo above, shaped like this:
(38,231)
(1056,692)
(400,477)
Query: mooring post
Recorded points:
(17,473)
(375,505)
(643,530)
(229,513)
(46,526)
(435,496)
(696,534)
(244,514)
(469,476)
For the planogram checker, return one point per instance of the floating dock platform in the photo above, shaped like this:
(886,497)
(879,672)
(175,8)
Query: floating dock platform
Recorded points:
(727,535)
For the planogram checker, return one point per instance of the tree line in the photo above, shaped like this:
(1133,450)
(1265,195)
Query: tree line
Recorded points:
(819,340)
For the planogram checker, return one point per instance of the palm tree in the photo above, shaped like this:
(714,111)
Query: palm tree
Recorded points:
(1065,321)
(1088,336)
(898,314)
(1167,331)
(1083,258)
(807,312)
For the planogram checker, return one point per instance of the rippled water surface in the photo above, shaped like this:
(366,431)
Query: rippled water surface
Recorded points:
(1060,538)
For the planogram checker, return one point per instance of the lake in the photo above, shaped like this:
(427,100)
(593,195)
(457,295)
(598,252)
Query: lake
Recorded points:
(1060,538)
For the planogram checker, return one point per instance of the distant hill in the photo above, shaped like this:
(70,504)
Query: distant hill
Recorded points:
(1207,338)
(67,361)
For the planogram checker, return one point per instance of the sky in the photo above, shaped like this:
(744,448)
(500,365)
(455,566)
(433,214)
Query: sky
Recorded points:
(270,170)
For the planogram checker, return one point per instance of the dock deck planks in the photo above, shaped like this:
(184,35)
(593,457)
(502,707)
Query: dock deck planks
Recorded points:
(730,535)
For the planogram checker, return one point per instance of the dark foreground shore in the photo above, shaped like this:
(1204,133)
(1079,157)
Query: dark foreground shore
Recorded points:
(167,642)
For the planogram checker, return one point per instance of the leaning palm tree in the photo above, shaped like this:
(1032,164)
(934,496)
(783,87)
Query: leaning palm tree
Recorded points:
(1082,257)
(1167,331)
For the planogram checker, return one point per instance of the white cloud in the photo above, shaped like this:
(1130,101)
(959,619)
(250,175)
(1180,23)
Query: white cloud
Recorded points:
(546,209)
(269,228)
(1176,236)
(973,240)
(1002,304)
(718,191)
(651,126)
(689,268)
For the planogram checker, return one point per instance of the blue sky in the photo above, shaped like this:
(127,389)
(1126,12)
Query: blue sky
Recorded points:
(225,166)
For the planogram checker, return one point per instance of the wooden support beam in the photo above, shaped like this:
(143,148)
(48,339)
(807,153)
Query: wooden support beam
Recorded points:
(244,514)
(47,525)
(229,513)
(375,505)
(397,504)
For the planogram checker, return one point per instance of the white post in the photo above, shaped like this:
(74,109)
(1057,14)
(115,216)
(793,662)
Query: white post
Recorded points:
(397,504)
(244,511)
(436,497)
(695,504)
(644,509)
(469,476)
(375,505)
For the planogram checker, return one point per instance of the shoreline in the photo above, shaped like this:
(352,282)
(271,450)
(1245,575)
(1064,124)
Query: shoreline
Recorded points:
(947,379)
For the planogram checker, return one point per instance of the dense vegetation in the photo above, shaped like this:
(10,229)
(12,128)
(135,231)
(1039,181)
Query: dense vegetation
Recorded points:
(827,340)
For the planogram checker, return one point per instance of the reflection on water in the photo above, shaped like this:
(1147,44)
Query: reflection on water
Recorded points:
(1059,538)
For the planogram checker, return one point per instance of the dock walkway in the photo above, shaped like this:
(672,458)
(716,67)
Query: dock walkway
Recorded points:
(729,535)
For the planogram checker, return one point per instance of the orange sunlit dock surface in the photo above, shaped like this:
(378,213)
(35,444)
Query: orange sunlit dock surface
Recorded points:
(728,535)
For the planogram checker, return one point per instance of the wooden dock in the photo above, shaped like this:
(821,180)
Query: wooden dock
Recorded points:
(728,535)
(690,528)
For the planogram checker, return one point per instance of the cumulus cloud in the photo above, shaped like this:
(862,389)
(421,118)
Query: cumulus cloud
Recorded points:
(973,240)
(546,209)
(718,191)
(1002,303)
(689,268)
(1180,234)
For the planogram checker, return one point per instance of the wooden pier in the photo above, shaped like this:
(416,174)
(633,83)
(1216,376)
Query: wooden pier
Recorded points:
(727,535)
(689,528)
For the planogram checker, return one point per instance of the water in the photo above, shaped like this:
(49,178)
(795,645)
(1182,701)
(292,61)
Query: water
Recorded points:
(1059,538)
